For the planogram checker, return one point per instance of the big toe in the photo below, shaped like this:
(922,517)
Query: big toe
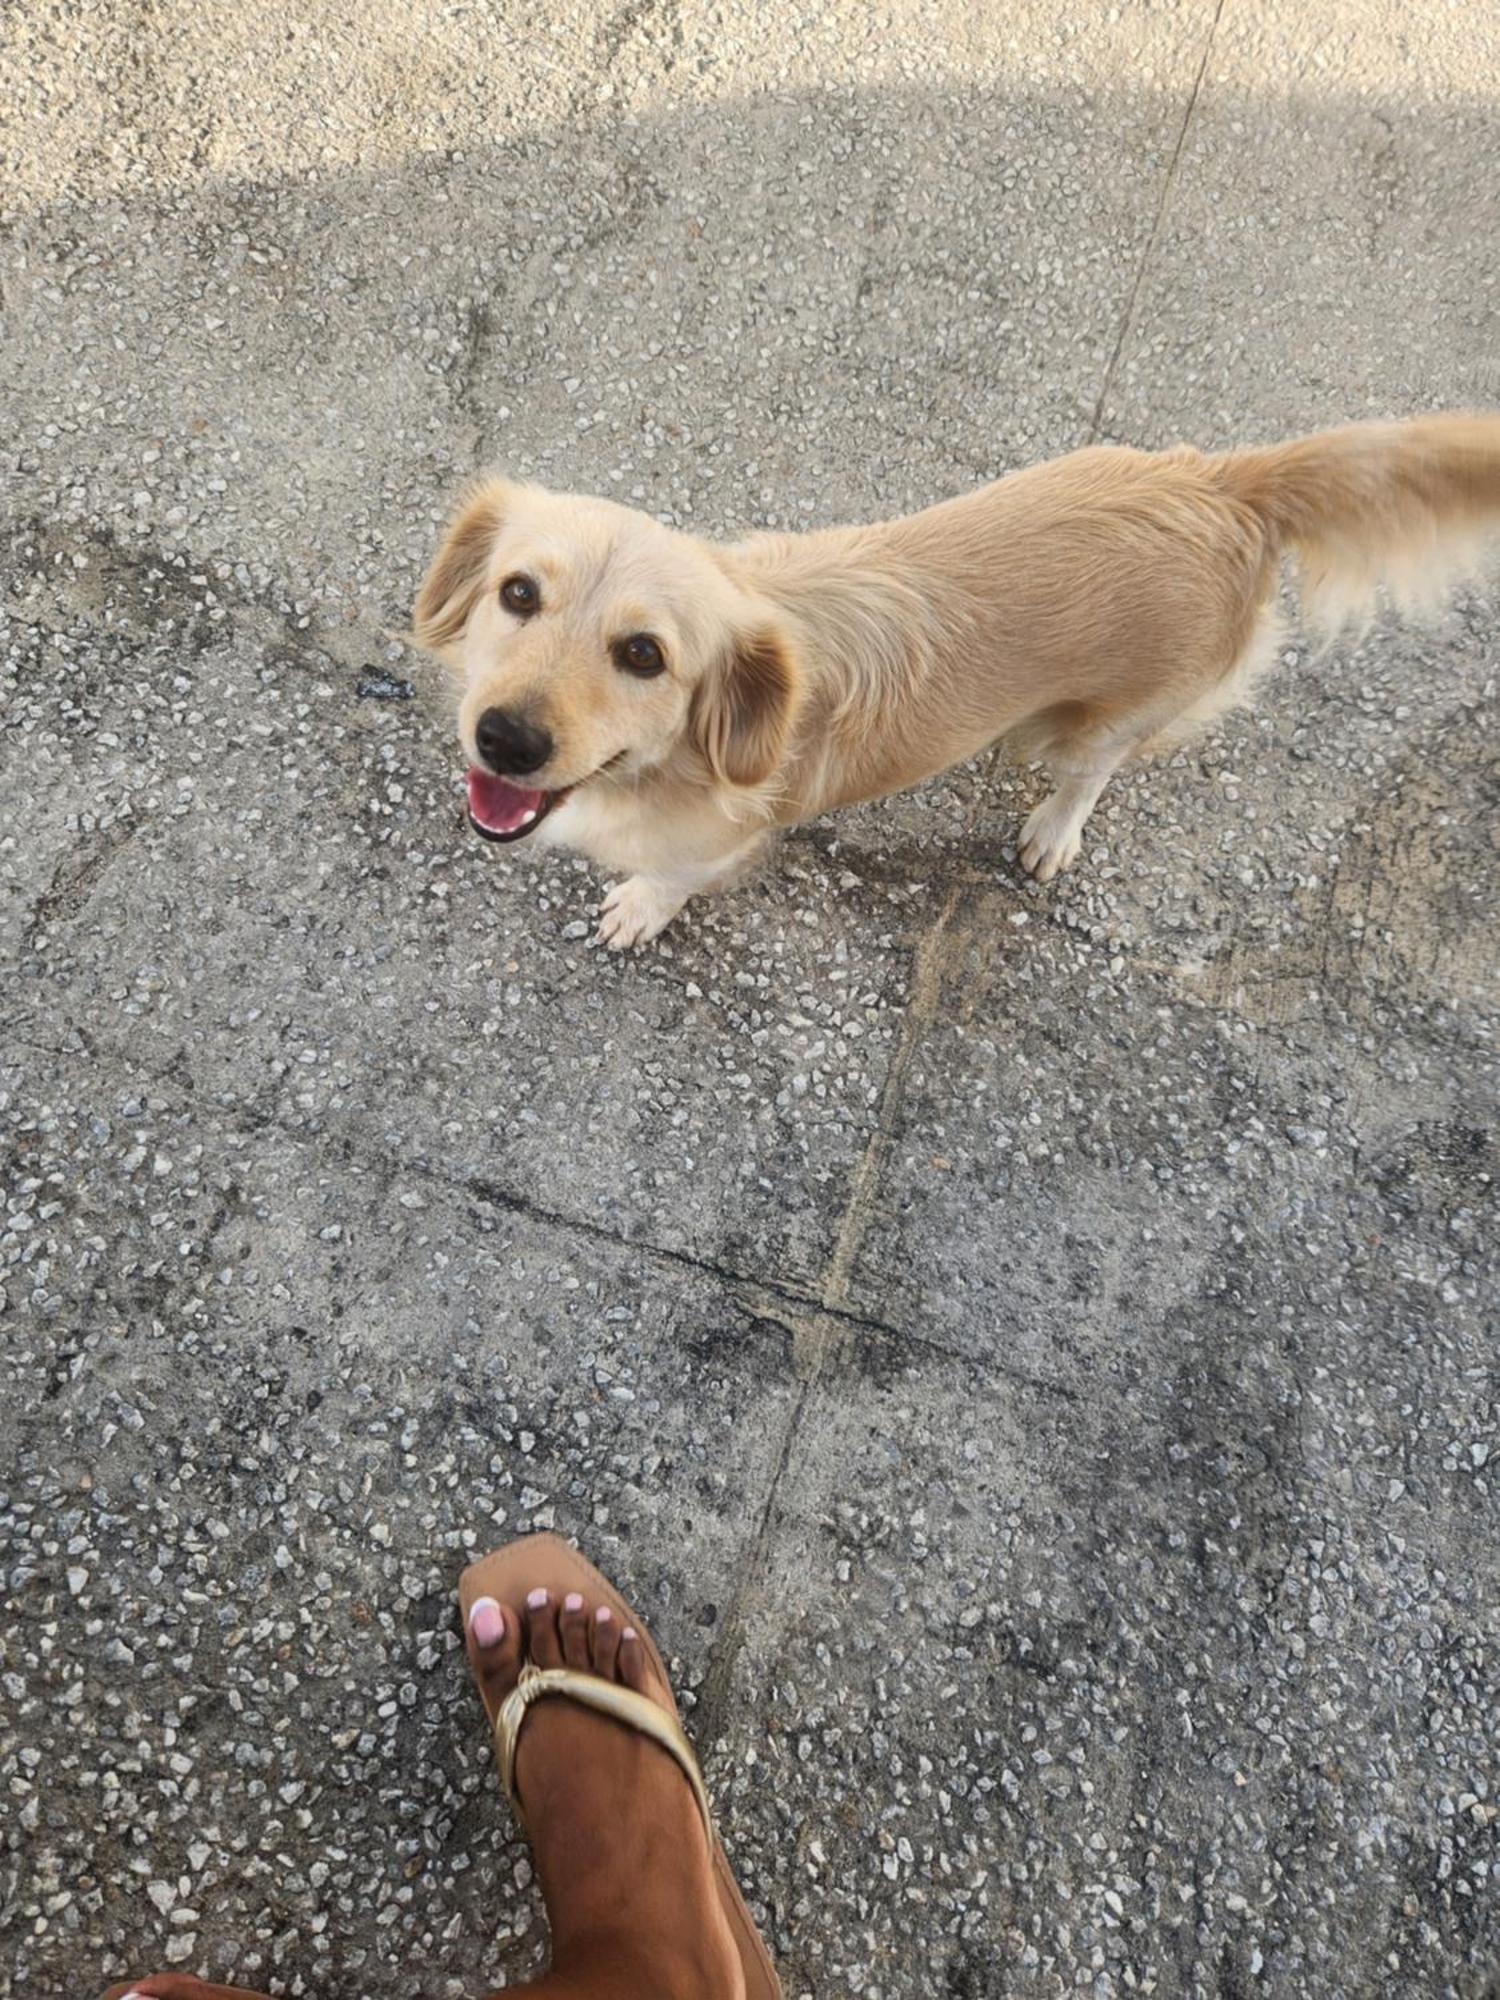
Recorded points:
(493,1636)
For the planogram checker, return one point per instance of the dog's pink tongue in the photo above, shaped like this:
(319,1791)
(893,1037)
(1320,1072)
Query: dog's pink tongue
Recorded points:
(498,805)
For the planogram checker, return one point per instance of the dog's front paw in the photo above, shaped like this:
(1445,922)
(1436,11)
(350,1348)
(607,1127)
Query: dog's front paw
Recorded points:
(1051,840)
(634,911)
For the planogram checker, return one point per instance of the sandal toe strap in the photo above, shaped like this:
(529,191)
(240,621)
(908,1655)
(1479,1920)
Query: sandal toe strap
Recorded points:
(621,1704)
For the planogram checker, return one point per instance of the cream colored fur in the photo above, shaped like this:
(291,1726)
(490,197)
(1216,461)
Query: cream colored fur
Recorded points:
(1081,611)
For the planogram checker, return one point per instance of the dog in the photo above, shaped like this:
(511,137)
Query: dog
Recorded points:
(661,704)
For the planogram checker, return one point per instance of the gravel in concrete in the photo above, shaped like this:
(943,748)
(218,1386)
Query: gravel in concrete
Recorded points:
(1030,1353)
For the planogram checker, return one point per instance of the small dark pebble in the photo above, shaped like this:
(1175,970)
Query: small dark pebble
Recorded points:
(381,687)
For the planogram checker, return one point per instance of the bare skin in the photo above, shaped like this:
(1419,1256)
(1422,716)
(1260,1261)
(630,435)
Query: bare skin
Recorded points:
(621,1856)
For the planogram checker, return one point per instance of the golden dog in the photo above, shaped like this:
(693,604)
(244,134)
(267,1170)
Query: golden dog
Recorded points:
(660,703)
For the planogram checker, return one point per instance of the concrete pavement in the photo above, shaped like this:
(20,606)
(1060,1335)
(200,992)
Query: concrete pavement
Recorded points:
(1031,1354)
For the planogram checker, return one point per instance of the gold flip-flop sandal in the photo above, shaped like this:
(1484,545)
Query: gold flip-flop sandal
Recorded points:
(509,1575)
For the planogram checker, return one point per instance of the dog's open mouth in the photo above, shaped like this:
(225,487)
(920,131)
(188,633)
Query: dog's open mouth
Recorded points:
(500,810)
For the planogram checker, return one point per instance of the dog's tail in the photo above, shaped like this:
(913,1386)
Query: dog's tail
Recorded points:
(1407,505)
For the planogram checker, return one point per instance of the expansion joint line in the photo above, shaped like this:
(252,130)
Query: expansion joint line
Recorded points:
(1169,182)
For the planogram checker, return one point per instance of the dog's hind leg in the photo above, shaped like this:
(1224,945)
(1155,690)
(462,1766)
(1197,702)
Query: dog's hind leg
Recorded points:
(1084,759)
(1083,764)
(1053,834)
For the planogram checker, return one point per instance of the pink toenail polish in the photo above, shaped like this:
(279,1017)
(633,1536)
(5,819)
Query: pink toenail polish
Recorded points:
(603,1615)
(486,1622)
(628,1633)
(572,1602)
(537,1600)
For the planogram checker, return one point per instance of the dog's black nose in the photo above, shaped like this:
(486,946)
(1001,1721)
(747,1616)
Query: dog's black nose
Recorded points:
(510,745)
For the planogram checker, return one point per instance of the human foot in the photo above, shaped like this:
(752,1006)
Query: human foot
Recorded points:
(623,1858)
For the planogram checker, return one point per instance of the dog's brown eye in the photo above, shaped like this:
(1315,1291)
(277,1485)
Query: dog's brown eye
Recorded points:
(520,594)
(639,654)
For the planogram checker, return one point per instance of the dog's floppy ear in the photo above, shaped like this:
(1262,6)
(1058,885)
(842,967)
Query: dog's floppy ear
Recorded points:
(743,710)
(452,583)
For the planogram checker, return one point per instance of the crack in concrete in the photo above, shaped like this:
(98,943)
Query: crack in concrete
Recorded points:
(156,581)
(819,1330)
(928,967)
(479,327)
(78,869)
(717,1685)
(622,27)
(1169,181)
(816,1338)
(935,954)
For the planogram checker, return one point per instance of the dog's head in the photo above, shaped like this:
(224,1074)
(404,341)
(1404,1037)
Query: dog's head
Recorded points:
(596,646)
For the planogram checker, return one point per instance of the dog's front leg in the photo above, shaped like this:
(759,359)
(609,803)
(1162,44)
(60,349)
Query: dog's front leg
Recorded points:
(639,908)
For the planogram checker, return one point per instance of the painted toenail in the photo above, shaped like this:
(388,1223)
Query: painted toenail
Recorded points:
(537,1599)
(572,1602)
(486,1622)
(628,1633)
(603,1615)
